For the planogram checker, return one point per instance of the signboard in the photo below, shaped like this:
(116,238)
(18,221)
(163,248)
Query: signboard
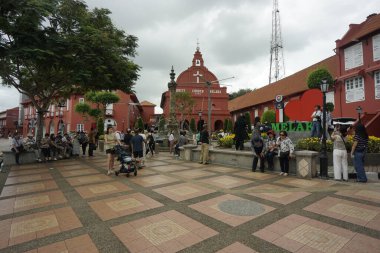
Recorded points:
(292,126)
(279,98)
(279,105)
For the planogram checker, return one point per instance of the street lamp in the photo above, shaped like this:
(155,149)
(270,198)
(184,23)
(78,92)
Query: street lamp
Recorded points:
(323,160)
(61,127)
(359,110)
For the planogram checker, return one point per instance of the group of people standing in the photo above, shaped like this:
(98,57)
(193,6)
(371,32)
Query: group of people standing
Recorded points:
(137,143)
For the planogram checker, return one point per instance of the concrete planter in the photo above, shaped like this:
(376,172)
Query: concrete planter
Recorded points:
(101,145)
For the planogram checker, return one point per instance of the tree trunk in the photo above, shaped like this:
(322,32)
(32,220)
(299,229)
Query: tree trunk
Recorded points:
(40,125)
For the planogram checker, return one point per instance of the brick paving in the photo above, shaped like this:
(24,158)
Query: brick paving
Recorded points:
(176,206)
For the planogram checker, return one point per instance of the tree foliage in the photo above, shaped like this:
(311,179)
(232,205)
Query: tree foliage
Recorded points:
(229,126)
(184,104)
(193,126)
(330,107)
(315,78)
(238,93)
(50,49)
(248,121)
(161,123)
(268,116)
(140,123)
(101,99)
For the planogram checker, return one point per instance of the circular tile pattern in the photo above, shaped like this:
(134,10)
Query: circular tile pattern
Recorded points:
(241,207)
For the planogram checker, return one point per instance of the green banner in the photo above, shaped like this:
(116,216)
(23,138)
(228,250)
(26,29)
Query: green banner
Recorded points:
(292,126)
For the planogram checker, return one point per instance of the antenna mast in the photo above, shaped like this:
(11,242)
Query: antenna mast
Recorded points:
(277,66)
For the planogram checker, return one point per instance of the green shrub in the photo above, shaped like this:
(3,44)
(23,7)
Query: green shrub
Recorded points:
(269,116)
(314,79)
(193,127)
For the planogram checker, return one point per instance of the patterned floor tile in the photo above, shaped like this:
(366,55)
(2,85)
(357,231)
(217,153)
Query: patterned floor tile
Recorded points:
(231,209)
(190,174)
(73,173)
(34,226)
(371,195)
(13,173)
(124,205)
(255,175)
(165,232)
(180,192)
(356,213)
(28,188)
(305,183)
(226,182)
(78,244)
(27,178)
(276,193)
(169,168)
(221,169)
(32,201)
(150,181)
(65,167)
(95,190)
(237,247)
(300,234)
(90,179)
(152,163)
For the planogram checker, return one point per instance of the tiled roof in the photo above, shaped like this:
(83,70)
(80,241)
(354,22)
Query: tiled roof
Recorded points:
(146,103)
(293,84)
(357,31)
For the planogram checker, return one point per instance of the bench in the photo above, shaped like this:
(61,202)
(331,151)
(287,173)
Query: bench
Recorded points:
(25,157)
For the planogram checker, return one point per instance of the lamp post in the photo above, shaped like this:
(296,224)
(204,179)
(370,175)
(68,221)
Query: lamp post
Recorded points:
(323,173)
(61,127)
(359,110)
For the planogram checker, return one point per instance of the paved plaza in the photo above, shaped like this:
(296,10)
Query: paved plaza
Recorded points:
(172,205)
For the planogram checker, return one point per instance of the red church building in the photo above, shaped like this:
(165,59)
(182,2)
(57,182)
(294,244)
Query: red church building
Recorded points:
(193,80)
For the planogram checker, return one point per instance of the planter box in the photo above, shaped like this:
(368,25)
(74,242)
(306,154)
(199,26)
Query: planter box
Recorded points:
(101,145)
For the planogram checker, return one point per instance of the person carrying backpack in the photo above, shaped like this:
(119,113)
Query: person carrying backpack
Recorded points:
(257,145)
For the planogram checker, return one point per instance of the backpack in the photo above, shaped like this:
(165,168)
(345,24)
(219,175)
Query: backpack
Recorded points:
(257,141)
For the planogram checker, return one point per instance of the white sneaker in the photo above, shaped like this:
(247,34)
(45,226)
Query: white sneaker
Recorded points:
(282,173)
(55,159)
(285,174)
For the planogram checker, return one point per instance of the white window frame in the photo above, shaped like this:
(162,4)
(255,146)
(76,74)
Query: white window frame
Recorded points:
(353,56)
(68,104)
(376,80)
(80,127)
(81,100)
(355,89)
(376,47)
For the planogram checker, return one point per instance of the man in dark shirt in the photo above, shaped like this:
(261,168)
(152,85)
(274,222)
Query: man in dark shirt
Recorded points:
(204,140)
(127,140)
(137,146)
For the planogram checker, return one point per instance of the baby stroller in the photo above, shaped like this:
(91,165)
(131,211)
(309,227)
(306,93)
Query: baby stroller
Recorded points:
(127,163)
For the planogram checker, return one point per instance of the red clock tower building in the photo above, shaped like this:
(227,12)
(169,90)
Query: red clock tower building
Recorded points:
(193,80)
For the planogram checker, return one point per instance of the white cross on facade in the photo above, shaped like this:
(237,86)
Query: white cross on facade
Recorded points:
(197,75)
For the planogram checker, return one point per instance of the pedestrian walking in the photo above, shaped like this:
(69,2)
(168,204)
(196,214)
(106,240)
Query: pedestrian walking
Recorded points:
(110,141)
(17,147)
(137,143)
(91,142)
(205,141)
(171,142)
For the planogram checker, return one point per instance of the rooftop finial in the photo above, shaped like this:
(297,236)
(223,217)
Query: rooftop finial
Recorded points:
(198,44)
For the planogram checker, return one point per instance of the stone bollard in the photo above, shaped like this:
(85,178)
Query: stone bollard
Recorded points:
(187,151)
(306,163)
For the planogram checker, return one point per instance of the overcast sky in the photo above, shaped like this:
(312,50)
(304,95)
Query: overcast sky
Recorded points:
(234,37)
